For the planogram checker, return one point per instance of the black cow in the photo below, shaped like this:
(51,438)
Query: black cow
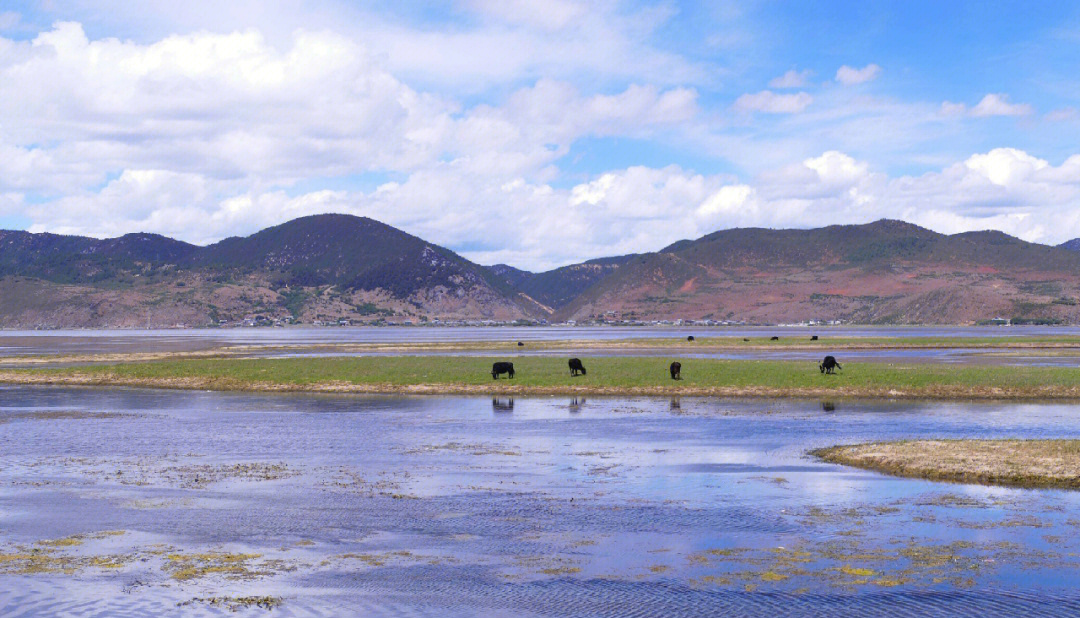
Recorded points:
(497,369)
(521,345)
(576,367)
(813,337)
(690,338)
(745,339)
(829,365)
(774,338)
(676,370)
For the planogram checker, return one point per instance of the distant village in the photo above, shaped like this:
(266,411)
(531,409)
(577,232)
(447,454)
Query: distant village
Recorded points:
(256,321)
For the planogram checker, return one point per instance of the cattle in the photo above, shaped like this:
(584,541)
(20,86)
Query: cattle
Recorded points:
(676,370)
(829,365)
(497,369)
(576,368)
(521,345)
(813,337)
(690,338)
(774,338)
(745,339)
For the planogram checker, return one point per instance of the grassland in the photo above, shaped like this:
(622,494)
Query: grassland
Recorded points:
(703,344)
(1016,463)
(623,375)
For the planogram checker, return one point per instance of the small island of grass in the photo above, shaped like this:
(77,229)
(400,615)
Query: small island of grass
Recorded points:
(1046,464)
(536,375)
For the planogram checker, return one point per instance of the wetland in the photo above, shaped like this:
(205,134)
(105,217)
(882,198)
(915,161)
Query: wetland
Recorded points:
(126,500)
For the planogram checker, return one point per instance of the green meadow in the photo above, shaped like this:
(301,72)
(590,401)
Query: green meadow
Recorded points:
(546,375)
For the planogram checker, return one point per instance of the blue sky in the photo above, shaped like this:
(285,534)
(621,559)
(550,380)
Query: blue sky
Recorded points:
(539,133)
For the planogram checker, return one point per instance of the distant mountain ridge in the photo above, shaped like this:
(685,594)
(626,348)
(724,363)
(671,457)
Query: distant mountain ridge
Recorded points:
(882,272)
(321,268)
(327,268)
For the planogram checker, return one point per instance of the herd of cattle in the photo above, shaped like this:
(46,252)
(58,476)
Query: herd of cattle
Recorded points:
(828,365)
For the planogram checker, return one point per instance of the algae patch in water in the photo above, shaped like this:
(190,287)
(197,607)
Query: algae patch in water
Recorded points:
(235,604)
(190,566)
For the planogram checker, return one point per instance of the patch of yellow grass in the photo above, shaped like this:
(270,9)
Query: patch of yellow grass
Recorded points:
(1019,463)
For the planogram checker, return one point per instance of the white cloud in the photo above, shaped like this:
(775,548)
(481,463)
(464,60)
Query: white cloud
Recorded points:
(850,76)
(772,103)
(9,19)
(998,105)
(537,225)
(791,79)
(1063,114)
(546,14)
(233,106)
(990,105)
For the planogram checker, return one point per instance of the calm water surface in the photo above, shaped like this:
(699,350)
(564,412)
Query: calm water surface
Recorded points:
(129,502)
(89,341)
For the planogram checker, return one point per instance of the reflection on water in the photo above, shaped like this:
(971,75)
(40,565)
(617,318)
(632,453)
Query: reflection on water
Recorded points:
(128,502)
(502,404)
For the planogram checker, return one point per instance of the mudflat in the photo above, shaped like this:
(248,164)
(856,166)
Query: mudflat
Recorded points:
(1016,463)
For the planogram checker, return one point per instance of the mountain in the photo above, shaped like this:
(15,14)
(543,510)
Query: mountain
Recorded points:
(881,272)
(1071,245)
(323,267)
(329,267)
(557,288)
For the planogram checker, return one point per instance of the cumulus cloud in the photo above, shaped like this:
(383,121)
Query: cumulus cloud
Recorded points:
(540,225)
(990,105)
(772,103)
(849,76)
(210,134)
(998,105)
(233,106)
(791,79)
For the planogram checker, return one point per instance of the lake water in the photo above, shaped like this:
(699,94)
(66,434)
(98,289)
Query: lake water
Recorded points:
(14,344)
(121,502)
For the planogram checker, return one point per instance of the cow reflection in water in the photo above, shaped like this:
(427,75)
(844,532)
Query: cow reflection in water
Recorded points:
(502,404)
(828,406)
(576,404)
(676,405)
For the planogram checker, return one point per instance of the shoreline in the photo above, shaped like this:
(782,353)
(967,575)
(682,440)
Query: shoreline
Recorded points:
(1021,463)
(500,388)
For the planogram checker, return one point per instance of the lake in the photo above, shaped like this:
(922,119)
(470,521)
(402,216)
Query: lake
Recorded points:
(134,502)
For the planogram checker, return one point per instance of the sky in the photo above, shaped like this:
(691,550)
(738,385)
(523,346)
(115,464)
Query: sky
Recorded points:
(539,133)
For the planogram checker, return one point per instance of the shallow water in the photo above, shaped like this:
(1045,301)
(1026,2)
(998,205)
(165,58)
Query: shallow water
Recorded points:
(436,506)
(100,341)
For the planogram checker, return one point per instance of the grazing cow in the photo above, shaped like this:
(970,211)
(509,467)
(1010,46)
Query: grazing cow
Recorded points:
(829,365)
(676,370)
(774,338)
(521,345)
(813,337)
(690,338)
(576,368)
(497,369)
(745,339)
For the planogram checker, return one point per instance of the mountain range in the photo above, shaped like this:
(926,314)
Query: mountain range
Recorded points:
(327,268)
